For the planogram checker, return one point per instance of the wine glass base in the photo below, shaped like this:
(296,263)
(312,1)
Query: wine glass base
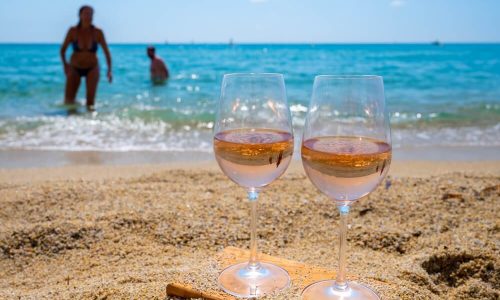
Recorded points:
(243,281)
(324,290)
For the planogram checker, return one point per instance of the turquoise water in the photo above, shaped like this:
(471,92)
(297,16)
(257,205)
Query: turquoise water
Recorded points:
(437,96)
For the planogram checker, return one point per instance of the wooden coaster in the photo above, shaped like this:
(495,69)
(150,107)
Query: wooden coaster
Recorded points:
(301,274)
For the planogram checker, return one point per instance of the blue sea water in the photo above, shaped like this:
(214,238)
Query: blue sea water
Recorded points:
(438,96)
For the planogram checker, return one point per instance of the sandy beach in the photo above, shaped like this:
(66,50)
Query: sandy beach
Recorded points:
(430,231)
(115,115)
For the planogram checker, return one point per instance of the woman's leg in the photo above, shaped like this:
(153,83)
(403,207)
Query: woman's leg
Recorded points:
(72,85)
(92,81)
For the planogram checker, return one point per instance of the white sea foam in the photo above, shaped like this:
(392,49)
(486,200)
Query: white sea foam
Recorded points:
(112,133)
(104,134)
(449,136)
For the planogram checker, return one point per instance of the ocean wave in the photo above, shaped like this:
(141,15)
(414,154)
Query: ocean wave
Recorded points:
(437,95)
(114,133)
(109,133)
(447,136)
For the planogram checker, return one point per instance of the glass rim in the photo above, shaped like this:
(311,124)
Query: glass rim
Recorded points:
(253,74)
(348,77)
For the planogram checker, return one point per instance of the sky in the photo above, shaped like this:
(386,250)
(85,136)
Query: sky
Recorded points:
(254,21)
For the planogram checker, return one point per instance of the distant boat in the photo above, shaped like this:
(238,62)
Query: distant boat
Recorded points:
(436,43)
(231,42)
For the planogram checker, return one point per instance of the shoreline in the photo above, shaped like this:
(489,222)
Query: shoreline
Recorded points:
(20,158)
(398,169)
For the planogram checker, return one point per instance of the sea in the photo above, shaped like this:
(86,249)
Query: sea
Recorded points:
(439,96)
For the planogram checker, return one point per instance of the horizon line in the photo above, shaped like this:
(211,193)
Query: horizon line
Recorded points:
(262,43)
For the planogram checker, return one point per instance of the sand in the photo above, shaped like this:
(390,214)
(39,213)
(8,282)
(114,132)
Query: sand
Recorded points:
(430,231)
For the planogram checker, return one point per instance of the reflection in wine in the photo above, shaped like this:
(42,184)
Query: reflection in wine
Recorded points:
(253,158)
(345,168)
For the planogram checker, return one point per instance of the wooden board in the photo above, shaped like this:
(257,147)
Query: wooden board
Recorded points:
(301,274)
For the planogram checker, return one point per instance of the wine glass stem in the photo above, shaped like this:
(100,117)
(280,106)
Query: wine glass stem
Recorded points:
(253,197)
(340,281)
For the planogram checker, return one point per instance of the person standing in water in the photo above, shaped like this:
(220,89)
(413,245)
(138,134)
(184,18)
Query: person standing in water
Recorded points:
(84,38)
(158,69)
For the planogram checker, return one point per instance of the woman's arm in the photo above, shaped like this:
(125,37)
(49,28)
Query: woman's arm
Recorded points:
(104,46)
(64,46)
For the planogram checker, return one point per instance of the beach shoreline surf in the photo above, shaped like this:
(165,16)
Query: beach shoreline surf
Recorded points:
(437,96)
(22,158)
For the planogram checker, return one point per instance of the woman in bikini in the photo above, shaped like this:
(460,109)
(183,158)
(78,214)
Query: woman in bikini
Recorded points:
(84,38)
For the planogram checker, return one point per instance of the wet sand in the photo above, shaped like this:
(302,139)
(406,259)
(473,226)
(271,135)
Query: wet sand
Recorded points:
(17,158)
(430,231)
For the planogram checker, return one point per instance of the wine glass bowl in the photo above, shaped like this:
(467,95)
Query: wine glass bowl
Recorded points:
(253,140)
(253,145)
(253,158)
(345,168)
(346,152)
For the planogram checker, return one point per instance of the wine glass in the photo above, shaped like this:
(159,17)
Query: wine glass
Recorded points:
(346,152)
(253,145)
